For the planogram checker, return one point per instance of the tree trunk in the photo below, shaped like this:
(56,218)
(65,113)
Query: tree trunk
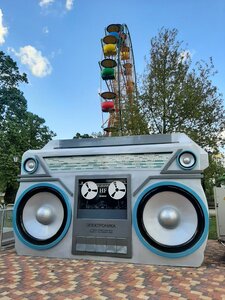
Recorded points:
(10,194)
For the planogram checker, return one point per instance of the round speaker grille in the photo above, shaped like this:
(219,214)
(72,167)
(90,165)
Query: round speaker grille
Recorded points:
(156,219)
(42,216)
(187,160)
(170,218)
(30,165)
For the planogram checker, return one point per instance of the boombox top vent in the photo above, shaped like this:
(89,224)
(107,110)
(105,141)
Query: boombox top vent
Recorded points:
(115,141)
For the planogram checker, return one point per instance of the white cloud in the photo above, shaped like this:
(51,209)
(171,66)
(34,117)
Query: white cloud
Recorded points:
(45,30)
(3,29)
(69,4)
(34,60)
(46,3)
(43,3)
(55,53)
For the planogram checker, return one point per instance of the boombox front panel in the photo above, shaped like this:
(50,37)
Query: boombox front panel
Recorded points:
(102,216)
(114,215)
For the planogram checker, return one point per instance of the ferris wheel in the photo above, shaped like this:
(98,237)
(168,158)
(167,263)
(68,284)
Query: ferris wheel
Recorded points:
(118,78)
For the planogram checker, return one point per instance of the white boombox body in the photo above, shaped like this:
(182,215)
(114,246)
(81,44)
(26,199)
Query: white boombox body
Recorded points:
(133,199)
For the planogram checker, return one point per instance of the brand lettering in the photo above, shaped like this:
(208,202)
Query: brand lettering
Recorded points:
(102,190)
(99,225)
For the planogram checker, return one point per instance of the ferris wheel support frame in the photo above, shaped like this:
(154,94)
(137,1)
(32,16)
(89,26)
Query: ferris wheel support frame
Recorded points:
(129,79)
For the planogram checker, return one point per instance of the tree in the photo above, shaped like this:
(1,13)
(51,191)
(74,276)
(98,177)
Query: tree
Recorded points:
(212,177)
(177,97)
(25,131)
(82,136)
(34,132)
(20,130)
(9,72)
(13,108)
(133,120)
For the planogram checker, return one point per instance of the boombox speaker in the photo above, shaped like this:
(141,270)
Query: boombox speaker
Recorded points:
(43,216)
(124,199)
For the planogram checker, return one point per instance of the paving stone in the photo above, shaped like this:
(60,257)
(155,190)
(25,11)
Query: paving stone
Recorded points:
(24,277)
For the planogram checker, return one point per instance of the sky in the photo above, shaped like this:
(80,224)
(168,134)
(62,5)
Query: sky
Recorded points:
(57,43)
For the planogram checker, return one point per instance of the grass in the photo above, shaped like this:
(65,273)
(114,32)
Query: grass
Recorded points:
(212,228)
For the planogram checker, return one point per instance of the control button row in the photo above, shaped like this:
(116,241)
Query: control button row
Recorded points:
(101,245)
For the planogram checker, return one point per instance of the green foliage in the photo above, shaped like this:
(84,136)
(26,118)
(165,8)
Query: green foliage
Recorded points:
(88,136)
(133,120)
(177,97)
(35,133)
(20,130)
(9,73)
(211,177)
(82,136)
(212,228)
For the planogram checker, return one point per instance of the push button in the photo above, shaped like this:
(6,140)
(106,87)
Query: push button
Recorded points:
(111,245)
(121,246)
(81,243)
(90,244)
(100,245)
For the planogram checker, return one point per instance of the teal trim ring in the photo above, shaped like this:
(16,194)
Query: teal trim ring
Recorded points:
(67,224)
(167,254)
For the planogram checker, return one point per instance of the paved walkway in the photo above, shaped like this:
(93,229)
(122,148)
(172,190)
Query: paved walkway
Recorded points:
(46,278)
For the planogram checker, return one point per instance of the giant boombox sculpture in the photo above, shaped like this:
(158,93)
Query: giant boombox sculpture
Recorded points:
(132,199)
